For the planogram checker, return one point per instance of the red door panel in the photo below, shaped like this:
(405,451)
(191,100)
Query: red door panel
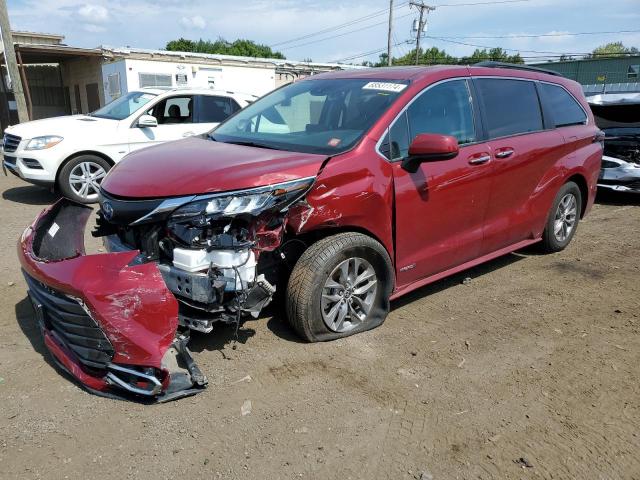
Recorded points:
(519,165)
(440,211)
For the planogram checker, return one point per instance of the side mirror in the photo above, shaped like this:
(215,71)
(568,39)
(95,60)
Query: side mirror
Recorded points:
(147,121)
(430,147)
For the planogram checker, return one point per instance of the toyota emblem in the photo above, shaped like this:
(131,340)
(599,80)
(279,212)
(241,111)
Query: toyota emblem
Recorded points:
(107,210)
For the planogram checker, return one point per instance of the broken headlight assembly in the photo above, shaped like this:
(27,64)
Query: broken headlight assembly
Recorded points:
(252,202)
(210,256)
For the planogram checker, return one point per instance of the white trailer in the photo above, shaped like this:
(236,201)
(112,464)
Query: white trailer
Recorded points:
(124,75)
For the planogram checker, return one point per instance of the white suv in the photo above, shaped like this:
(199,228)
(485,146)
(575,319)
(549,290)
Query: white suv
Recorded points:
(73,153)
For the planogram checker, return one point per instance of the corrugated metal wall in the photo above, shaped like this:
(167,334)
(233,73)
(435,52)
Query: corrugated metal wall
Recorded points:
(47,93)
(602,70)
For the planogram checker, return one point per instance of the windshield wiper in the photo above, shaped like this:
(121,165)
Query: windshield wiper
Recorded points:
(248,144)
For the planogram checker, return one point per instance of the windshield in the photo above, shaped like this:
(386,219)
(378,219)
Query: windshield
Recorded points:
(311,116)
(124,106)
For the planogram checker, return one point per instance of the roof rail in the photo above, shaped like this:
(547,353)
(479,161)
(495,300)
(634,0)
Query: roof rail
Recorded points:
(516,66)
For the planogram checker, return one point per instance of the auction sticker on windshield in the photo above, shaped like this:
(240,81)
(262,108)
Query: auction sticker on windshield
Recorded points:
(385,86)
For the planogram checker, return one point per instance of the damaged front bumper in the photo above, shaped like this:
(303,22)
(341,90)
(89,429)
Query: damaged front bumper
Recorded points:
(109,321)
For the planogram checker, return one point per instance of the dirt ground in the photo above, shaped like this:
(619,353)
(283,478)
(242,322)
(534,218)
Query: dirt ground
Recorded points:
(529,370)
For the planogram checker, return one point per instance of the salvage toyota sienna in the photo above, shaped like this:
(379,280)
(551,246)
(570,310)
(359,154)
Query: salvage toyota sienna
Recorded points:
(338,193)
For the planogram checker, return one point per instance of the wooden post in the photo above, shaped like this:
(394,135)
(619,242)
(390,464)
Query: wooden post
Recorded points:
(25,84)
(10,60)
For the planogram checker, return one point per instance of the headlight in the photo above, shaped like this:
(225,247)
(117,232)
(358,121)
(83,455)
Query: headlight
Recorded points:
(251,202)
(40,143)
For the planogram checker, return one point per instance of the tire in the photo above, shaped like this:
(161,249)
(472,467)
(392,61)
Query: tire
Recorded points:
(312,296)
(80,177)
(563,218)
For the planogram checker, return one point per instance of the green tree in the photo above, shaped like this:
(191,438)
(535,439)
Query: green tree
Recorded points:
(613,49)
(493,54)
(435,56)
(430,56)
(240,47)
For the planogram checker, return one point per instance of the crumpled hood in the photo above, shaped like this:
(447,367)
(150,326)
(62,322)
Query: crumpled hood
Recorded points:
(195,165)
(76,125)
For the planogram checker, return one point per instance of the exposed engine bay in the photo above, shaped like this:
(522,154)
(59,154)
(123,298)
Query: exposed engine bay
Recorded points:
(618,115)
(219,254)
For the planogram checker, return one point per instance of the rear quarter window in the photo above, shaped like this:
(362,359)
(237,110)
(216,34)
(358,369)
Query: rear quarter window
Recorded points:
(564,108)
(214,109)
(511,107)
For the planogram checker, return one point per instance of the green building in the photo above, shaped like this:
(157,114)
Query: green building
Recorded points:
(600,75)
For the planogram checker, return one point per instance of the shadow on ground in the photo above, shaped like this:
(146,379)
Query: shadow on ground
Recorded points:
(30,195)
(27,322)
(224,336)
(458,278)
(608,197)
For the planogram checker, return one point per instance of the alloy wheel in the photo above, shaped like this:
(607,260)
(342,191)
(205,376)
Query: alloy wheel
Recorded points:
(85,179)
(565,218)
(348,294)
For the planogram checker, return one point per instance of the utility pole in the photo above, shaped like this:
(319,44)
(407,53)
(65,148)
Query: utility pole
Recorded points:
(421,24)
(389,34)
(12,64)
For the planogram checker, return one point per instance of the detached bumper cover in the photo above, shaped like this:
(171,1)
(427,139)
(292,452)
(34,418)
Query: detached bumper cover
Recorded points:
(110,324)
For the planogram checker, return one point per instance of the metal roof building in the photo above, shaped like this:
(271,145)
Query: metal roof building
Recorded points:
(60,79)
(601,75)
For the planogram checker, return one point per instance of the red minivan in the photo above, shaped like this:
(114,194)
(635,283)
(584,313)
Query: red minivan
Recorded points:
(337,193)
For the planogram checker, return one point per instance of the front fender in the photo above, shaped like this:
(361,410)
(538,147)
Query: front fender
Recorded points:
(351,192)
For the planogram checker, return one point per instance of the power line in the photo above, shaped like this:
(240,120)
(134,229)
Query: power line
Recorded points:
(342,25)
(365,54)
(343,34)
(383,12)
(451,39)
(547,54)
(479,3)
(400,45)
(442,39)
(524,57)
(459,60)
(540,35)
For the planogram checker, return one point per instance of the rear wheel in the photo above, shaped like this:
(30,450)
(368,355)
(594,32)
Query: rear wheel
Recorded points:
(80,178)
(339,286)
(563,218)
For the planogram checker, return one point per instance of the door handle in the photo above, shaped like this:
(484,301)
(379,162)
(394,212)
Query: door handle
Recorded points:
(480,159)
(188,134)
(504,153)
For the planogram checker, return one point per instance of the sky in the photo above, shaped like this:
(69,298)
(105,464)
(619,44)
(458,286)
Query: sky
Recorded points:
(151,24)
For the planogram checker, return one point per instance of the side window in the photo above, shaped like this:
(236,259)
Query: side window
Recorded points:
(445,109)
(395,146)
(564,108)
(215,109)
(511,107)
(174,110)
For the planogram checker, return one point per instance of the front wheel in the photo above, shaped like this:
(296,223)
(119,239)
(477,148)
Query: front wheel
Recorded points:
(80,178)
(563,218)
(339,286)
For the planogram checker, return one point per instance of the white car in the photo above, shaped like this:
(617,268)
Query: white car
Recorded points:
(73,153)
